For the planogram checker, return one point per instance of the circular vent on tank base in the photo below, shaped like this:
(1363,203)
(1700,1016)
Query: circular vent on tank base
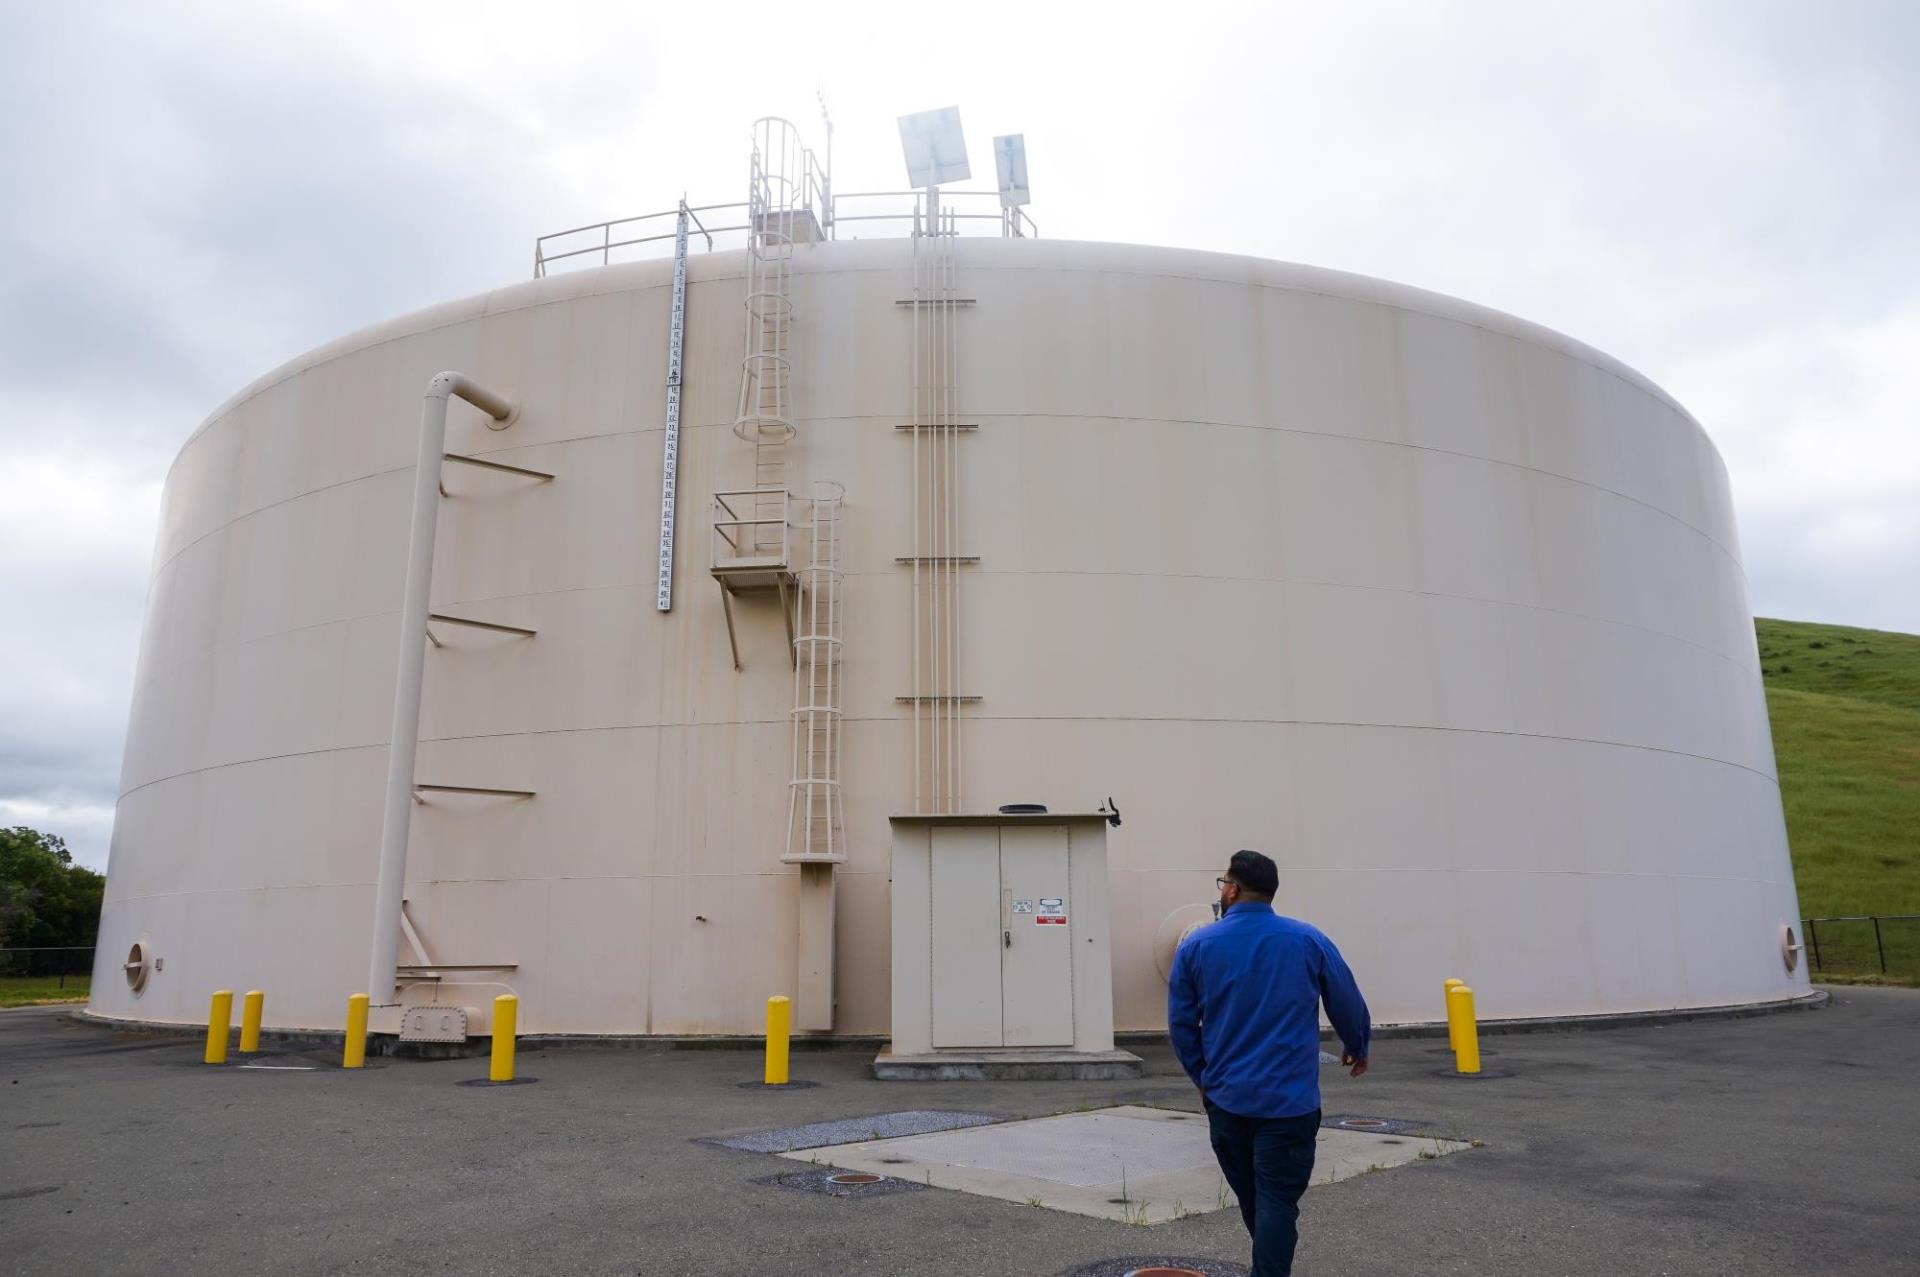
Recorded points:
(1174,928)
(136,967)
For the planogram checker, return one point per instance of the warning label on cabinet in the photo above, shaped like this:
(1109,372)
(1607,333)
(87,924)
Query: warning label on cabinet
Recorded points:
(1053,912)
(1023,906)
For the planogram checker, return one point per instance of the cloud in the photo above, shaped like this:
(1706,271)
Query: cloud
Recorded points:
(75,532)
(1723,193)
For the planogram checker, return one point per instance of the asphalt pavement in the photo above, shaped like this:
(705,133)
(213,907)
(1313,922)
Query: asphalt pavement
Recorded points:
(1783,1144)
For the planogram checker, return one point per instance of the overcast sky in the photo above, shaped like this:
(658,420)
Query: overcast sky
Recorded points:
(1724,195)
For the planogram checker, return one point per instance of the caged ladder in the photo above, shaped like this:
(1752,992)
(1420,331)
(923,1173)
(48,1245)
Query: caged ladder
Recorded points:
(814,814)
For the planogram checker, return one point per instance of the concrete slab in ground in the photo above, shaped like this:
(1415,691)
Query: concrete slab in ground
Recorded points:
(1133,1164)
(1009,1065)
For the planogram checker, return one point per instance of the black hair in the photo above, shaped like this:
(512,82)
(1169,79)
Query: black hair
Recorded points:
(1256,874)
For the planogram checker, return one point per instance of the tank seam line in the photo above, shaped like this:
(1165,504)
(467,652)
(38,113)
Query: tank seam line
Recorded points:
(1581,352)
(1522,466)
(1637,381)
(1391,727)
(141,683)
(978,718)
(1301,432)
(1456,869)
(839,871)
(871,873)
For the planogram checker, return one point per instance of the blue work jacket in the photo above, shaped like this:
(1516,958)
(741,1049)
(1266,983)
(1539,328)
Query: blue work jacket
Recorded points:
(1243,1010)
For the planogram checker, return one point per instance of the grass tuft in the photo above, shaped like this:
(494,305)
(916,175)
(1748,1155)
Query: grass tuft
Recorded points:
(35,991)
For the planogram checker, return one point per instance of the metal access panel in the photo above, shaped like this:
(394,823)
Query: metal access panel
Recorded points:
(966,936)
(1000,933)
(433,1024)
(1036,956)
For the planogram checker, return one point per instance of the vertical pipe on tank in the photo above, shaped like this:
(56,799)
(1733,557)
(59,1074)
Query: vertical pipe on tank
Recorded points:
(412,666)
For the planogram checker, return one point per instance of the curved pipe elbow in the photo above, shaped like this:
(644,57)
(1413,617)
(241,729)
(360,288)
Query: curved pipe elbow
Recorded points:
(449,384)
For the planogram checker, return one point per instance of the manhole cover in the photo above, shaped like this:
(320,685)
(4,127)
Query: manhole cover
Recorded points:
(1158,1266)
(1484,1075)
(482,1081)
(776,1086)
(1371,1124)
(840,1183)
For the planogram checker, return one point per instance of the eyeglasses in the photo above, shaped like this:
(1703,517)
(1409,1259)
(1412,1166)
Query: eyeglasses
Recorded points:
(1224,883)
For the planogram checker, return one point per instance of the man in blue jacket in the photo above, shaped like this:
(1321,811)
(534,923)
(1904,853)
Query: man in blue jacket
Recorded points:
(1243,1008)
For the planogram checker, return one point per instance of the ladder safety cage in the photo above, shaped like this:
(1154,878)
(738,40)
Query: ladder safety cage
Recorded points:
(785,193)
(814,819)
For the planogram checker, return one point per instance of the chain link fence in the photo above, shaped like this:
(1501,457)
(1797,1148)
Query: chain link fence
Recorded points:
(1872,944)
(60,968)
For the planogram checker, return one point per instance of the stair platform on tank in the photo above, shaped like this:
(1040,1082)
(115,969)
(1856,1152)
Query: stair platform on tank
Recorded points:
(754,572)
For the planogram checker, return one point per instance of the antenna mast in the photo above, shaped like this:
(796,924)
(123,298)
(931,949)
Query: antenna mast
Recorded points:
(826,199)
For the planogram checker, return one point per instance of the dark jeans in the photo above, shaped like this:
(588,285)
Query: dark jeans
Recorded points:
(1267,1162)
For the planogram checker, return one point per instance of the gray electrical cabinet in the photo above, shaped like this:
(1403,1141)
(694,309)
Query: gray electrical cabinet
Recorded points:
(1001,942)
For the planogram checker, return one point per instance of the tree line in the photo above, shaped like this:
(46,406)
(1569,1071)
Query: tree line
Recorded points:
(45,899)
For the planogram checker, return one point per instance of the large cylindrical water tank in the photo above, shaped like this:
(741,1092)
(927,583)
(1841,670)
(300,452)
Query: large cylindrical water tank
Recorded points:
(1442,610)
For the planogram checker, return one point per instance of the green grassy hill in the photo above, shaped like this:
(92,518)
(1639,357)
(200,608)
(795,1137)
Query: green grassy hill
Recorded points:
(1845,705)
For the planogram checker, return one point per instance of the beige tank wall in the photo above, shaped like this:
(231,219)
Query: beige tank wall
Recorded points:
(1441,609)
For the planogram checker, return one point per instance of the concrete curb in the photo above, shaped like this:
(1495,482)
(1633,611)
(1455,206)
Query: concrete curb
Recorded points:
(1813,1001)
(386,1044)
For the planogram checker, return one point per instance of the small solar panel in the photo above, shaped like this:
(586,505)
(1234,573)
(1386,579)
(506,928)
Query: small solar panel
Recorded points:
(935,149)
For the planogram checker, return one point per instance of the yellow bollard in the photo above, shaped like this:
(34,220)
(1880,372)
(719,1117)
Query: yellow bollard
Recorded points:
(1466,1052)
(219,1020)
(250,1021)
(355,1055)
(1453,1033)
(506,1019)
(779,1025)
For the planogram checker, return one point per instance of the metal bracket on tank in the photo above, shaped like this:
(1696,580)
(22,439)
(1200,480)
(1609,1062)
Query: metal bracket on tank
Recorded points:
(480,790)
(444,619)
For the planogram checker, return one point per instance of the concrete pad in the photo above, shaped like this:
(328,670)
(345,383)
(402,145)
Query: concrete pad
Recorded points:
(1009,1065)
(1139,1165)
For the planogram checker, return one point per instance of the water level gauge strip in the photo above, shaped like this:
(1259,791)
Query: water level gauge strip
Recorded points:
(670,460)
